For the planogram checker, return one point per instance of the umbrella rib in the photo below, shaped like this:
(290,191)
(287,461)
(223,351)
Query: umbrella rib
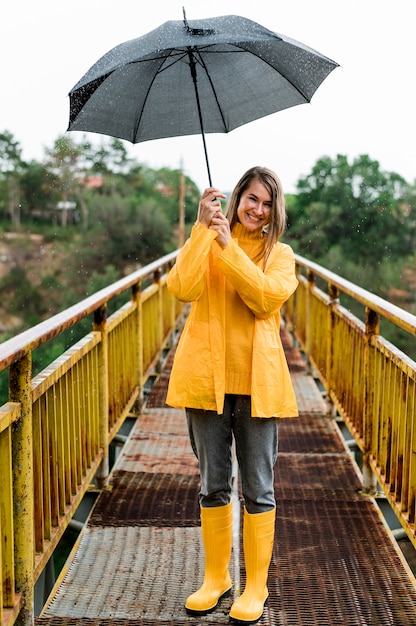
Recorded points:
(159,70)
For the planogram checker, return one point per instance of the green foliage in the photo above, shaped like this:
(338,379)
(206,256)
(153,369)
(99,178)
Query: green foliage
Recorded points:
(354,206)
(4,387)
(10,153)
(39,191)
(122,233)
(21,296)
(100,280)
(360,223)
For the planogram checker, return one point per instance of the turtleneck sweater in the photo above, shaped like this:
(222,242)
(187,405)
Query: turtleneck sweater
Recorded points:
(239,319)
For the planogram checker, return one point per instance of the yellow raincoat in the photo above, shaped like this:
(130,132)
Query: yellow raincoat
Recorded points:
(199,276)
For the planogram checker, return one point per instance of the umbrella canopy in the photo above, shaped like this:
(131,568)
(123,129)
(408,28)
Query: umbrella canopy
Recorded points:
(202,76)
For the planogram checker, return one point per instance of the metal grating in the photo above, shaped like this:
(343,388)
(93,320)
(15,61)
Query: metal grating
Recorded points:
(310,432)
(166,423)
(148,499)
(333,562)
(317,577)
(157,395)
(295,360)
(316,477)
(308,396)
(321,576)
(159,444)
(136,574)
(167,367)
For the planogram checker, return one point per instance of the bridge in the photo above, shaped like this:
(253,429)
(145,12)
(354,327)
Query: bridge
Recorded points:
(89,449)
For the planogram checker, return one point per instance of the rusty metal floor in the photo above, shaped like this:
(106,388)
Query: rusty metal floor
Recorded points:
(334,561)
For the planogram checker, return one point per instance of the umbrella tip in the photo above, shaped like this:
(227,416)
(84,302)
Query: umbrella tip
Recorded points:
(185,21)
(196,31)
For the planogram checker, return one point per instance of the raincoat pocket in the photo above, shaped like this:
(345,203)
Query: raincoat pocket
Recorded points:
(194,349)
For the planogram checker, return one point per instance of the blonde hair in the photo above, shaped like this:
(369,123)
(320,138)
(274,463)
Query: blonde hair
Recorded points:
(277,223)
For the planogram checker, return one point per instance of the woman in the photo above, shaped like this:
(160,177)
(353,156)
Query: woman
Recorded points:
(230,374)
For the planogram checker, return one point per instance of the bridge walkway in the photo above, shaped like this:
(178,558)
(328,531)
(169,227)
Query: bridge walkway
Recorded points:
(140,554)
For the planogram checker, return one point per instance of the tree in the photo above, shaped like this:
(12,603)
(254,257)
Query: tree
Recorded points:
(40,190)
(408,212)
(359,209)
(166,182)
(66,165)
(11,166)
(123,234)
(109,158)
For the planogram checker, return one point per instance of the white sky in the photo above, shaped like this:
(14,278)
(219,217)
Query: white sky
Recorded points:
(367,106)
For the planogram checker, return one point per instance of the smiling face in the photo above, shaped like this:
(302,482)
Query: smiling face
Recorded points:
(254,207)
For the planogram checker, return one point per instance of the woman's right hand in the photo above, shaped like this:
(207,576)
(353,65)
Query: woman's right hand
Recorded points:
(209,205)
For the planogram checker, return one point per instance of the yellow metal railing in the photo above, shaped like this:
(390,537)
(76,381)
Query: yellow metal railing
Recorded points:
(56,428)
(369,381)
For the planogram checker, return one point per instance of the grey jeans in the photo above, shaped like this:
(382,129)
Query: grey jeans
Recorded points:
(256,442)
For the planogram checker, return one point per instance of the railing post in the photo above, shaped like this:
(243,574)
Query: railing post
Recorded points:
(333,294)
(372,327)
(20,390)
(172,314)
(308,321)
(137,298)
(289,312)
(156,279)
(100,325)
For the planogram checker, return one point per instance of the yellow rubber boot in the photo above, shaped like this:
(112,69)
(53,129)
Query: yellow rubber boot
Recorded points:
(217,533)
(258,538)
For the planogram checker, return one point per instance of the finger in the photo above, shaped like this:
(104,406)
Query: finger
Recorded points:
(214,193)
(211,192)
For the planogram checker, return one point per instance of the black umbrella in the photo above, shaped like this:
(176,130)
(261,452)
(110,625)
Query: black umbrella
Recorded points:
(201,76)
